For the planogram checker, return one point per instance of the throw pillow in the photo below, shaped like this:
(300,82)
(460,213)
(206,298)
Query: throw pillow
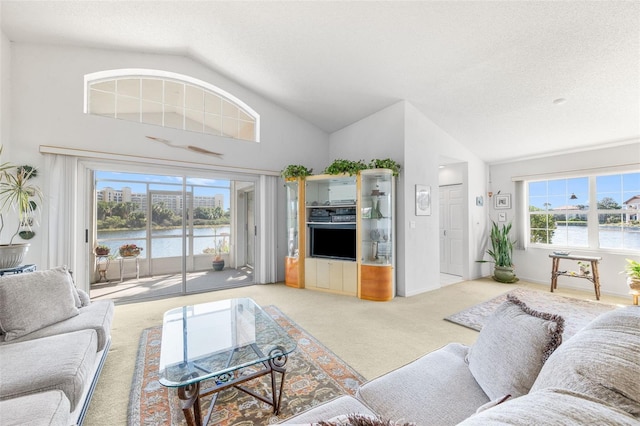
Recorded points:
(85,300)
(34,300)
(512,347)
(74,289)
(360,420)
(602,360)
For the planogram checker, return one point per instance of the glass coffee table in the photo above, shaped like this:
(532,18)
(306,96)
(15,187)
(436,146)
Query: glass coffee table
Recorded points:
(210,347)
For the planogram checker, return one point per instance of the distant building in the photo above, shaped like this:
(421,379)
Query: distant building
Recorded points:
(632,207)
(569,213)
(170,201)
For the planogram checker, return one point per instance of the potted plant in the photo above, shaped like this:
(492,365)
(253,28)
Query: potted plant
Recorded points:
(219,247)
(295,171)
(501,252)
(349,167)
(18,197)
(129,250)
(584,268)
(387,163)
(632,269)
(102,250)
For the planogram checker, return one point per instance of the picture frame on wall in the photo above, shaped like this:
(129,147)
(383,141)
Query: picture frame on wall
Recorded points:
(502,201)
(423,200)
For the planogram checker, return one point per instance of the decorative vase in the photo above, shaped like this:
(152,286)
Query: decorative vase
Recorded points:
(504,274)
(218,265)
(375,212)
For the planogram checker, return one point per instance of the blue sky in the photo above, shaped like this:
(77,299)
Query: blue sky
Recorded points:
(557,192)
(138,183)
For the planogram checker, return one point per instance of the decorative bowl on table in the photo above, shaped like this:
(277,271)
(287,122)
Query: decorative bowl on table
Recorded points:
(561,253)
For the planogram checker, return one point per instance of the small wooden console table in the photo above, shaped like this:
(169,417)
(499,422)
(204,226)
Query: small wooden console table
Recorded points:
(594,276)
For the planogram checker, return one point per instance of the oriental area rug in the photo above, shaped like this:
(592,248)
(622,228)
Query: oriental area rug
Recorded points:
(314,375)
(576,312)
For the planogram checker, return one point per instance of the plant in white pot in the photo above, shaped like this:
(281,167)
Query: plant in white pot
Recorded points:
(632,269)
(18,196)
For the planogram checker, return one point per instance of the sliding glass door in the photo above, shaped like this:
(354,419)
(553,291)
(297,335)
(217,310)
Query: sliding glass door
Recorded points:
(192,233)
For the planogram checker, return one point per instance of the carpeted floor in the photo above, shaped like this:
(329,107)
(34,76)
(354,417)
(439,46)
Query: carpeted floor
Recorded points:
(314,374)
(576,312)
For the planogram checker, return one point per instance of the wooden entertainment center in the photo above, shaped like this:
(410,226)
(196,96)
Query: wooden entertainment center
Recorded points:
(341,234)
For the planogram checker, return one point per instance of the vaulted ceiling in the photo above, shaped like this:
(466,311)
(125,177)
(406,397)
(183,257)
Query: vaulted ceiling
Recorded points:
(508,79)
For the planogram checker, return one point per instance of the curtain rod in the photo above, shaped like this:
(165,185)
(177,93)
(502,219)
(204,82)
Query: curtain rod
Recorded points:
(101,155)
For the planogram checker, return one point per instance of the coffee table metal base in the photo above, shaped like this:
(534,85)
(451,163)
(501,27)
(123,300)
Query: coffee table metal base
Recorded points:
(191,394)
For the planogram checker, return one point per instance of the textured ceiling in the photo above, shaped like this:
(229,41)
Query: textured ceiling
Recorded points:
(485,72)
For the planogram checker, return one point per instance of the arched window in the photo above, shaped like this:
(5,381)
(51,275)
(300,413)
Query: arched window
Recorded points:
(169,100)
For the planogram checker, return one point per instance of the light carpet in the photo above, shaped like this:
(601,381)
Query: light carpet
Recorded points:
(576,312)
(314,375)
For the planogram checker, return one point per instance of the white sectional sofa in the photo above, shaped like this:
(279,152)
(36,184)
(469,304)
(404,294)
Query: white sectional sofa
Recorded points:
(53,344)
(517,373)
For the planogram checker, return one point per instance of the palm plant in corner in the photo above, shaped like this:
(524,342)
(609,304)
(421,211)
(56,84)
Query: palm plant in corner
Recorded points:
(17,195)
(501,252)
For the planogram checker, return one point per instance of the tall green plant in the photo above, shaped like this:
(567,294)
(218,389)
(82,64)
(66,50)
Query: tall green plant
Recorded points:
(501,250)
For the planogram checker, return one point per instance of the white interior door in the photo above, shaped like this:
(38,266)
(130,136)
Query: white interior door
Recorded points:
(451,229)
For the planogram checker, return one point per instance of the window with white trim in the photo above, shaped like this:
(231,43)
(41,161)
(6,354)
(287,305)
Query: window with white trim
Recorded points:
(561,212)
(170,100)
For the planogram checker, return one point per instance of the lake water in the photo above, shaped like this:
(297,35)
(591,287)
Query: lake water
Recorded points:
(165,242)
(610,237)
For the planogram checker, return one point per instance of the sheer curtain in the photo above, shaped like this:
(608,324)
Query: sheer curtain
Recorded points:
(268,254)
(61,215)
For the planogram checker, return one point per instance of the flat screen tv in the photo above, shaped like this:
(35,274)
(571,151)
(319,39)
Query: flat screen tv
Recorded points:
(333,241)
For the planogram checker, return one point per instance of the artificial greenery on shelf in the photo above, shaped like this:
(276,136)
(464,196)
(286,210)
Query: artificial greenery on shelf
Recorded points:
(340,166)
(387,163)
(295,170)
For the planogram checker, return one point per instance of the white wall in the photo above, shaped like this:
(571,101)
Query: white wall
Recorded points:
(5,75)
(429,145)
(380,135)
(403,133)
(46,108)
(534,264)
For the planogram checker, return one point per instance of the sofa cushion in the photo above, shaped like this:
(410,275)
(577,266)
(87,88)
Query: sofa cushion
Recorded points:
(97,316)
(39,409)
(31,301)
(329,410)
(512,347)
(437,388)
(64,362)
(602,360)
(557,407)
